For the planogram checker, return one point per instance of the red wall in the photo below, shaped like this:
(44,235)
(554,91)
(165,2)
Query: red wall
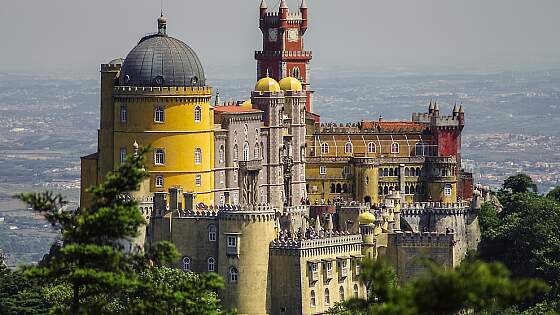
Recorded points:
(447,142)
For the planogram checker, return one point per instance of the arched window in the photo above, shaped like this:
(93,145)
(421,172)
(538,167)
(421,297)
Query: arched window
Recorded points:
(159,115)
(221,154)
(246,151)
(394,147)
(371,147)
(407,171)
(159,157)
(380,190)
(356,291)
(419,149)
(412,190)
(341,293)
(406,190)
(186,263)
(197,114)
(333,188)
(391,173)
(295,72)
(257,155)
(233,275)
(386,172)
(324,148)
(348,148)
(235,152)
(197,156)
(122,157)
(211,264)
(386,190)
(327,297)
(345,188)
(312,301)
(338,188)
(212,233)
(418,172)
(262,150)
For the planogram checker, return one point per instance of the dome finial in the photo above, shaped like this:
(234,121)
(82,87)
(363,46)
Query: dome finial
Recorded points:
(162,24)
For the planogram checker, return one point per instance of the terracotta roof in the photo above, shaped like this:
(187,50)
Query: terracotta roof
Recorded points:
(393,126)
(235,109)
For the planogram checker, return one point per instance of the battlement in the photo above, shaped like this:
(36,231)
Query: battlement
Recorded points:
(110,67)
(453,121)
(259,54)
(425,239)
(246,212)
(441,159)
(327,239)
(194,91)
(418,208)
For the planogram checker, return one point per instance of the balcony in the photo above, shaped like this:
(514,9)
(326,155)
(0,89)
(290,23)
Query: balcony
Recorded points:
(251,165)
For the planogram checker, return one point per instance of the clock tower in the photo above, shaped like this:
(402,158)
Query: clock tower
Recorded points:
(283,53)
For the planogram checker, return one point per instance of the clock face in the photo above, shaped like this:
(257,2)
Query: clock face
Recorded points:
(293,35)
(272,34)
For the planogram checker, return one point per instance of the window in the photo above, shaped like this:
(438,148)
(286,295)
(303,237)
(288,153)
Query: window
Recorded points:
(197,114)
(394,147)
(198,179)
(235,152)
(329,269)
(231,241)
(222,200)
(233,275)
(257,154)
(356,291)
(197,156)
(124,113)
(312,301)
(235,176)
(159,115)
(159,181)
(327,297)
(348,148)
(322,170)
(295,72)
(246,151)
(212,231)
(447,190)
(159,157)
(122,156)
(419,149)
(211,264)
(341,293)
(221,154)
(371,147)
(186,264)
(221,175)
(324,148)
(262,150)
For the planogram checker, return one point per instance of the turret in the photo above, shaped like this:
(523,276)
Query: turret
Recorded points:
(283,12)
(455,110)
(263,9)
(431,108)
(303,10)
(436,109)
(461,116)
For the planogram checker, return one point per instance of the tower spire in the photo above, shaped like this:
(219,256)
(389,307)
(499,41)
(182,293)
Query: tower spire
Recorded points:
(264,5)
(162,24)
(303,4)
(283,4)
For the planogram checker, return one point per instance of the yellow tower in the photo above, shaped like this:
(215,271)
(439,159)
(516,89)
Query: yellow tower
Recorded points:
(158,98)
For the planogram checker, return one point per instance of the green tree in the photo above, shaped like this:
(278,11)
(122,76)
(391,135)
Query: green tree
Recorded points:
(554,194)
(474,285)
(93,273)
(20,295)
(520,183)
(3,264)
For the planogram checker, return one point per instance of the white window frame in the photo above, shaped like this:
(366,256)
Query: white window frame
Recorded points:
(211,262)
(246,151)
(197,114)
(159,114)
(356,290)
(348,148)
(324,148)
(221,154)
(395,145)
(232,241)
(197,156)
(159,156)
(322,170)
(187,263)
(124,114)
(257,152)
(313,299)
(158,181)
(327,297)
(198,180)
(371,147)
(212,231)
(233,275)
(122,155)
(341,293)
(448,190)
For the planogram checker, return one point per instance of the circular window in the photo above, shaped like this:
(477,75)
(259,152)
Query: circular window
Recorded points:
(159,80)
(194,80)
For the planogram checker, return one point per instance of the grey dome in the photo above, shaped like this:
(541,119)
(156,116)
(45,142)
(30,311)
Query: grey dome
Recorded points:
(161,60)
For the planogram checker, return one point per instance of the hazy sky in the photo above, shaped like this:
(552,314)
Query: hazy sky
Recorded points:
(78,35)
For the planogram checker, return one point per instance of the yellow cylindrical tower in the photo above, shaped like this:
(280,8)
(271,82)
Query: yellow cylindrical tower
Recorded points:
(366,181)
(367,229)
(245,236)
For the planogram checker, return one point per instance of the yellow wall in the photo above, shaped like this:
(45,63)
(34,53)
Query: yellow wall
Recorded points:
(88,178)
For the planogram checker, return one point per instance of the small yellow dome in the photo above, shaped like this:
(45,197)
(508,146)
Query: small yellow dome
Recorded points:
(267,85)
(247,104)
(290,84)
(366,218)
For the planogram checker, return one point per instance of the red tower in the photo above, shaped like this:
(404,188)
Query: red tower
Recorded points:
(283,52)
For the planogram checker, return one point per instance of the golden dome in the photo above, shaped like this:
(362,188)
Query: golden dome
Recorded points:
(290,84)
(247,104)
(366,218)
(267,85)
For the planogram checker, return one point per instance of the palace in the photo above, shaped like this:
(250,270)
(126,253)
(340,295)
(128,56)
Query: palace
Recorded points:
(260,191)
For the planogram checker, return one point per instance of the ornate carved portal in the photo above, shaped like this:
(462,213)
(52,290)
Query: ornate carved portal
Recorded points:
(249,173)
